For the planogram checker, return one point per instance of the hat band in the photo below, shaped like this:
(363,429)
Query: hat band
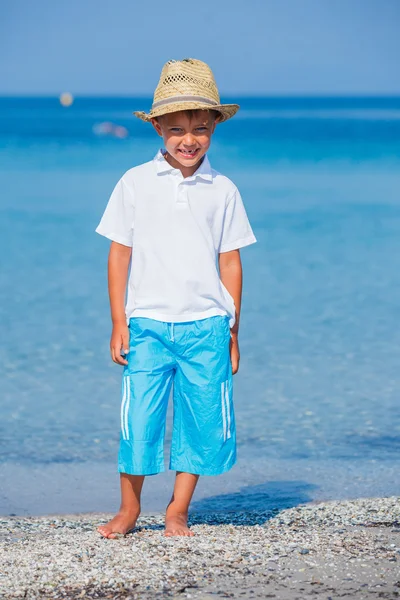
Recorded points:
(178,99)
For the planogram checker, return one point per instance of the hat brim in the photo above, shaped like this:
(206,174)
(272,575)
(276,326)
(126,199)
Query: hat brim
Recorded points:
(227,111)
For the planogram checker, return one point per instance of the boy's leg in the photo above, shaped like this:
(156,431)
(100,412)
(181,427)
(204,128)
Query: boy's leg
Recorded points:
(147,383)
(146,386)
(204,432)
(125,519)
(177,511)
(203,440)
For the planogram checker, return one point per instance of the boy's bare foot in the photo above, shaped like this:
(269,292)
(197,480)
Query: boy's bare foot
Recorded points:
(176,524)
(119,525)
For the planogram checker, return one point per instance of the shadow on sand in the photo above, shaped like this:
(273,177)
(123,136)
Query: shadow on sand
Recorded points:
(251,505)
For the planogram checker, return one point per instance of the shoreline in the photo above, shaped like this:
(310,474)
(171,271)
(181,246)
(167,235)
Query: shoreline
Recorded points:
(321,548)
(93,487)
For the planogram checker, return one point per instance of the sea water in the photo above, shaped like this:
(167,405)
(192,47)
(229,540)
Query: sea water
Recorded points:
(317,394)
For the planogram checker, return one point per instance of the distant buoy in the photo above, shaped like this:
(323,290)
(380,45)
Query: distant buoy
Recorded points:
(106,128)
(66,99)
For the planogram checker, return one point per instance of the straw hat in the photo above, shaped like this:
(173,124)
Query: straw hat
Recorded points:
(187,84)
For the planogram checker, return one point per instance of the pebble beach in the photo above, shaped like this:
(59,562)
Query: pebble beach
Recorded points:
(346,549)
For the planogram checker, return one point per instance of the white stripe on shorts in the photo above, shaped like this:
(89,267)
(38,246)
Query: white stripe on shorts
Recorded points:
(123,405)
(127,403)
(228,408)
(126,396)
(223,408)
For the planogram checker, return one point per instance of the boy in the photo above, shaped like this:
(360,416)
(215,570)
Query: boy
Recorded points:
(178,222)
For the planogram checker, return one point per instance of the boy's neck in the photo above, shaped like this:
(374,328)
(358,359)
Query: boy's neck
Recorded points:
(186,171)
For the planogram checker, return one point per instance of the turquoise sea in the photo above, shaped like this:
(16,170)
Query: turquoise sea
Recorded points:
(317,395)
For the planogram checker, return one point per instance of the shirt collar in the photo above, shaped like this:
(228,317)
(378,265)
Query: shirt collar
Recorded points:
(204,171)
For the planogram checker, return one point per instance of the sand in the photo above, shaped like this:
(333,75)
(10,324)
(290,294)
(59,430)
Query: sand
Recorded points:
(346,549)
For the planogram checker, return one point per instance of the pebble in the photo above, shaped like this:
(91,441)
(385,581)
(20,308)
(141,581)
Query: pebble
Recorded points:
(64,556)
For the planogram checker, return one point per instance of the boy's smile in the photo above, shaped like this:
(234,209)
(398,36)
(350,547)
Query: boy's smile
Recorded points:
(187,137)
(186,153)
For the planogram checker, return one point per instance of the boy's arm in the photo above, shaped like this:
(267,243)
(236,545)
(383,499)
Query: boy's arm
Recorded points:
(118,266)
(230,268)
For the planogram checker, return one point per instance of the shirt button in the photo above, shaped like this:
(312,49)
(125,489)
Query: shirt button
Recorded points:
(181,196)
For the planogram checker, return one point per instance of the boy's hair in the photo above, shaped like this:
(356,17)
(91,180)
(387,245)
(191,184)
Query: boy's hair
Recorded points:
(192,112)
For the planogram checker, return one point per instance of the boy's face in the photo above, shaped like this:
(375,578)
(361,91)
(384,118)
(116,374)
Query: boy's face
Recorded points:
(186,139)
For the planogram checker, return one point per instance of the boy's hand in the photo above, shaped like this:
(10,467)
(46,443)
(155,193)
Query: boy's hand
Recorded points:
(119,341)
(234,351)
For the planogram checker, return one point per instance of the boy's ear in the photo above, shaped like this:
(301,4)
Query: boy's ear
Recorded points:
(157,126)
(217,119)
(215,122)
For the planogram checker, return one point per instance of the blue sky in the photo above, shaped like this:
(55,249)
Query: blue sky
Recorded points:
(254,46)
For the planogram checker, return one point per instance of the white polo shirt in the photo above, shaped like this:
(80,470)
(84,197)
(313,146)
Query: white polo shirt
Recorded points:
(176,227)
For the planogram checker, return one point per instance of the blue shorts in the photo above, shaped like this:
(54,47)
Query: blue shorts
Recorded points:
(194,357)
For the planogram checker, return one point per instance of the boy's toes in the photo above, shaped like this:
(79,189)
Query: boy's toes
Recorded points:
(115,535)
(104,531)
(180,532)
(172,532)
(119,526)
(109,533)
(177,525)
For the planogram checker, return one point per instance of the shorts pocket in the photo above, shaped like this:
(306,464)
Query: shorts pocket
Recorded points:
(135,330)
(133,324)
(221,329)
(227,328)
(226,408)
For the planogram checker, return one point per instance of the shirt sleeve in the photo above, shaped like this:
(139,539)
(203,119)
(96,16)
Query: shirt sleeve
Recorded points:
(118,219)
(237,231)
